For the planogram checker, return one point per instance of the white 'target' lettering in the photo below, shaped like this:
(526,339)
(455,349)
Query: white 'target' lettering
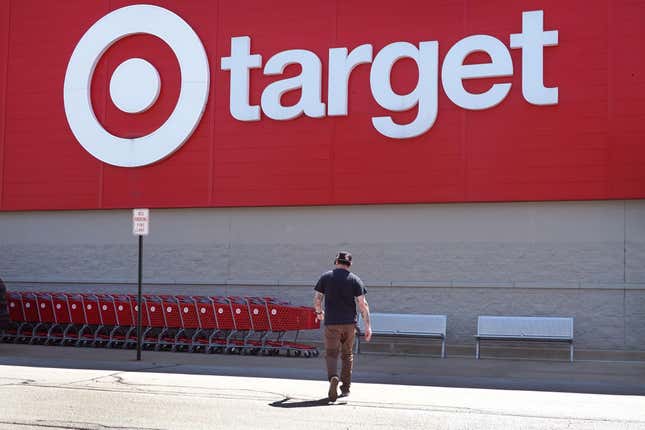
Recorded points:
(239,63)
(454,71)
(532,40)
(424,95)
(309,81)
(341,66)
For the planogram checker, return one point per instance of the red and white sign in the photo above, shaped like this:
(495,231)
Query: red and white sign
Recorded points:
(140,222)
(203,103)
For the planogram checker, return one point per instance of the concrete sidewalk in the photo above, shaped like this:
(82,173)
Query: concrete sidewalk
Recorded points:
(601,377)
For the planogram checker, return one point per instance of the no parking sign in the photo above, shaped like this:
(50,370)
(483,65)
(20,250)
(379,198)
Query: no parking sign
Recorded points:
(140,222)
(140,227)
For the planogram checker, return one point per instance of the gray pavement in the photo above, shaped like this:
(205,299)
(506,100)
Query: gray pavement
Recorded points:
(86,388)
(600,377)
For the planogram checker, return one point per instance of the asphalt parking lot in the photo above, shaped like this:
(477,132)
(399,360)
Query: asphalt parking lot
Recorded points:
(87,388)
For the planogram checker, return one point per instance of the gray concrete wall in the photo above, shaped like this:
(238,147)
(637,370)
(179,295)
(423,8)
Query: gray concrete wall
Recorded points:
(582,259)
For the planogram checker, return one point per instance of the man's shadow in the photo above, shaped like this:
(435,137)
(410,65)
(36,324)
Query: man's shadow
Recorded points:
(285,403)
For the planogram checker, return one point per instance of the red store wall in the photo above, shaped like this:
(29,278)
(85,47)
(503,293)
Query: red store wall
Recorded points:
(588,146)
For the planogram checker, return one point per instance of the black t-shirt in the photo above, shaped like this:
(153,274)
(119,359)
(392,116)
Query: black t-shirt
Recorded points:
(340,287)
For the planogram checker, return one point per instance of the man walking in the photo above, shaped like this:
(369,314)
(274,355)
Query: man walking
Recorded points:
(341,290)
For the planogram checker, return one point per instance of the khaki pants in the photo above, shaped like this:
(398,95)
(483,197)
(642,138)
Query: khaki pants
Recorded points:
(340,338)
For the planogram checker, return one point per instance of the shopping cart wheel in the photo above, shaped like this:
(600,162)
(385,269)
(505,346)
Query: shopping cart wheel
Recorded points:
(306,354)
(316,353)
(296,353)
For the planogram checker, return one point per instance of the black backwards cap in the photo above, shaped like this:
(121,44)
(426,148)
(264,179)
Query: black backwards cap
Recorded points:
(344,257)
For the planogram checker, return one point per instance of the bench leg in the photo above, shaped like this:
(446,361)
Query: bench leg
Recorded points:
(477,349)
(571,352)
(443,348)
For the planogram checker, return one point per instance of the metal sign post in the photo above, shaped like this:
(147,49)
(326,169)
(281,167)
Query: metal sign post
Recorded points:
(140,227)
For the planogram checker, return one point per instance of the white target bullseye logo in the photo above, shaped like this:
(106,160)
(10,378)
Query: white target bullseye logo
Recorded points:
(135,86)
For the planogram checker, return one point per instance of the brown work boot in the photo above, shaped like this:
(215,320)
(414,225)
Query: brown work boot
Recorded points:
(333,389)
(344,390)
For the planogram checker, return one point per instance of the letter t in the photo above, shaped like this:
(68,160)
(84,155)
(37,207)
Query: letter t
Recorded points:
(239,63)
(532,40)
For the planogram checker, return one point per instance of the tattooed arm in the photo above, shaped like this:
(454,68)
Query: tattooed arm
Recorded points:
(364,309)
(320,314)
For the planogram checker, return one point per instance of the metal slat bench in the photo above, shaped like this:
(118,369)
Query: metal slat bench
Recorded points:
(540,329)
(406,325)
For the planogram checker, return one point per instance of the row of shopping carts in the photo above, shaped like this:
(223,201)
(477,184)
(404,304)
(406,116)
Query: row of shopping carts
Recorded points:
(244,325)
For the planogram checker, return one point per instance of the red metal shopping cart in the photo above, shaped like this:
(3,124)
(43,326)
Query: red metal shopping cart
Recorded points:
(93,321)
(233,324)
(47,318)
(31,317)
(17,319)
